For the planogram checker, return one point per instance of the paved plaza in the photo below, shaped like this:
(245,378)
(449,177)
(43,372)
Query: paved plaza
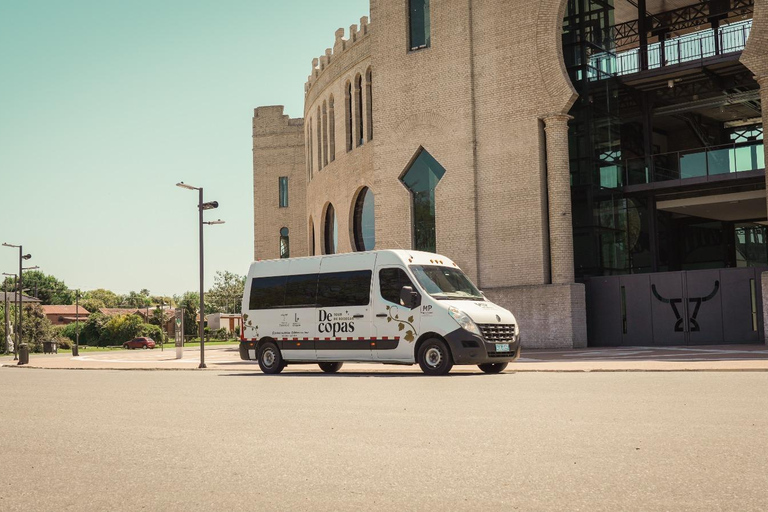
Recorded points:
(216,440)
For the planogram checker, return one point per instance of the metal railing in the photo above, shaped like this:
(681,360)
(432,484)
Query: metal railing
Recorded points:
(691,47)
(695,163)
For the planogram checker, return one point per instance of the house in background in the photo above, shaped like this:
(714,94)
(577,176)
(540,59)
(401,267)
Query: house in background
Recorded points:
(65,315)
(227,321)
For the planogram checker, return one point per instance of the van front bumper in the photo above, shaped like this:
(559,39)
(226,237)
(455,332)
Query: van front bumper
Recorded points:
(469,348)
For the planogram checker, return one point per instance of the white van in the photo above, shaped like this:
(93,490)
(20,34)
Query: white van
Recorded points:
(394,307)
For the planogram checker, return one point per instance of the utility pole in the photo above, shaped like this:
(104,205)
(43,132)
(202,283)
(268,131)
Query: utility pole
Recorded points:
(162,323)
(7,320)
(76,352)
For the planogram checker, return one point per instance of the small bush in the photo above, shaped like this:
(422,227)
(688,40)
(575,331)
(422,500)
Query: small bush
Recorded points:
(64,342)
(154,332)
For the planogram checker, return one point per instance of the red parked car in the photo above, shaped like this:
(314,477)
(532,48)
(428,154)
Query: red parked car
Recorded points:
(142,342)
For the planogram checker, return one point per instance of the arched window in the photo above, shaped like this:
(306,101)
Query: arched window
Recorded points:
(364,221)
(312,237)
(348,113)
(311,150)
(369,102)
(319,139)
(330,231)
(285,246)
(325,134)
(359,109)
(421,178)
(331,130)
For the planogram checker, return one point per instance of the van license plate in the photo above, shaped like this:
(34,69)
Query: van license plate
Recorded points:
(502,347)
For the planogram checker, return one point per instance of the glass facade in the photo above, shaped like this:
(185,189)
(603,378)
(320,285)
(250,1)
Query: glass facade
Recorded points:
(641,139)
(418,20)
(364,221)
(421,179)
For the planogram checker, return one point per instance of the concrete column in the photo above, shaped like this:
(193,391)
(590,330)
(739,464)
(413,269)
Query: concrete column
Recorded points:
(559,195)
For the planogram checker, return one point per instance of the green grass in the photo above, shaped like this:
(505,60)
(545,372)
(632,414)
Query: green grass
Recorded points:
(84,349)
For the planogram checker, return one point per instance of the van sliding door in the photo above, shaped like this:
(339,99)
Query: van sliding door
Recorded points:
(343,314)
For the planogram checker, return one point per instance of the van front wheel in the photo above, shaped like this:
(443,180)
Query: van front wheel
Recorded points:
(330,367)
(434,358)
(270,359)
(492,367)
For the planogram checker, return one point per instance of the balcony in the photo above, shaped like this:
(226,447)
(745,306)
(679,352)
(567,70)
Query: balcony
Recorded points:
(693,47)
(715,163)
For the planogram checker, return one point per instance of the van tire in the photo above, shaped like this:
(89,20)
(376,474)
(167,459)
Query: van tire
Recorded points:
(434,358)
(270,359)
(330,367)
(492,367)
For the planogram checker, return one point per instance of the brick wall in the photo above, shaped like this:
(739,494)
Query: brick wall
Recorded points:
(278,150)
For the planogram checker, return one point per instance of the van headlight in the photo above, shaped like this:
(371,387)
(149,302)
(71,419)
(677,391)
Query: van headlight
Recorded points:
(464,321)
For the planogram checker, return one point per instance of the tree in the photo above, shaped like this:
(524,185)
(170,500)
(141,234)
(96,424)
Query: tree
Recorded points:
(46,288)
(137,300)
(109,298)
(226,294)
(190,303)
(93,329)
(121,328)
(36,327)
(92,305)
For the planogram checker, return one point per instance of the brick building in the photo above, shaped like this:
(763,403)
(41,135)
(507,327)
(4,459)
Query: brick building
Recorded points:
(595,167)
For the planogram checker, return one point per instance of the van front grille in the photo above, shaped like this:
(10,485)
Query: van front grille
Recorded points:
(498,333)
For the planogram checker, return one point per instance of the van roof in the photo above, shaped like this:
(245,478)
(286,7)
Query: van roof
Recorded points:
(420,257)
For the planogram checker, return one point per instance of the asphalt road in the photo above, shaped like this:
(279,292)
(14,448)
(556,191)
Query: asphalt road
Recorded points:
(186,440)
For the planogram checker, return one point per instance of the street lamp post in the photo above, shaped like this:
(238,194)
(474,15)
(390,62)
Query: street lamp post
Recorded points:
(202,206)
(76,351)
(7,322)
(22,257)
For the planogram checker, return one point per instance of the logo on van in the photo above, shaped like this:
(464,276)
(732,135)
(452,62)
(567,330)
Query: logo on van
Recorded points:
(334,323)
(248,324)
(394,316)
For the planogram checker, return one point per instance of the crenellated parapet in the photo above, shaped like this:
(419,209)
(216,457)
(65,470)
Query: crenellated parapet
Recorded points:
(341,45)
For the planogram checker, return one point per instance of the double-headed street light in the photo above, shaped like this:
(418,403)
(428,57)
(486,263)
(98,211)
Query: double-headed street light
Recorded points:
(19,280)
(202,206)
(17,300)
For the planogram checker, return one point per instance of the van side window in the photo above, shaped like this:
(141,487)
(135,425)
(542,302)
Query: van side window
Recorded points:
(341,289)
(267,292)
(301,291)
(391,281)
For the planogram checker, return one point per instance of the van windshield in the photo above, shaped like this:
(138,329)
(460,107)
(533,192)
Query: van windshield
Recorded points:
(446,283)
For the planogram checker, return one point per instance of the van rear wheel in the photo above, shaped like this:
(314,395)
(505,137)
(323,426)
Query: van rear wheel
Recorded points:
(270,360)
(492,367)
(434,358)
(330,367)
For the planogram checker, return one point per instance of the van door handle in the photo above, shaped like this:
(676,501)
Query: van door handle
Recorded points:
(381,315)
(358,316)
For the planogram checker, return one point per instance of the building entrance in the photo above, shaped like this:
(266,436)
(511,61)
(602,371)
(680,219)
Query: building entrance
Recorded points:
(702,307)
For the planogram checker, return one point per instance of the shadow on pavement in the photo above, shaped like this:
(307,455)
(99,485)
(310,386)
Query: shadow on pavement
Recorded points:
(321,375)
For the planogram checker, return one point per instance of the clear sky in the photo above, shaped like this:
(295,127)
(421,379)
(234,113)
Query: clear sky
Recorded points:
(106,104)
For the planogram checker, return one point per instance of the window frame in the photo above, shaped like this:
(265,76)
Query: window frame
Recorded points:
(282,191)
(427,28)
(404,272)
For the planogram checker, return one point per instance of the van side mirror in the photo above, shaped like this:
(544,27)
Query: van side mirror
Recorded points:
(410,298)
